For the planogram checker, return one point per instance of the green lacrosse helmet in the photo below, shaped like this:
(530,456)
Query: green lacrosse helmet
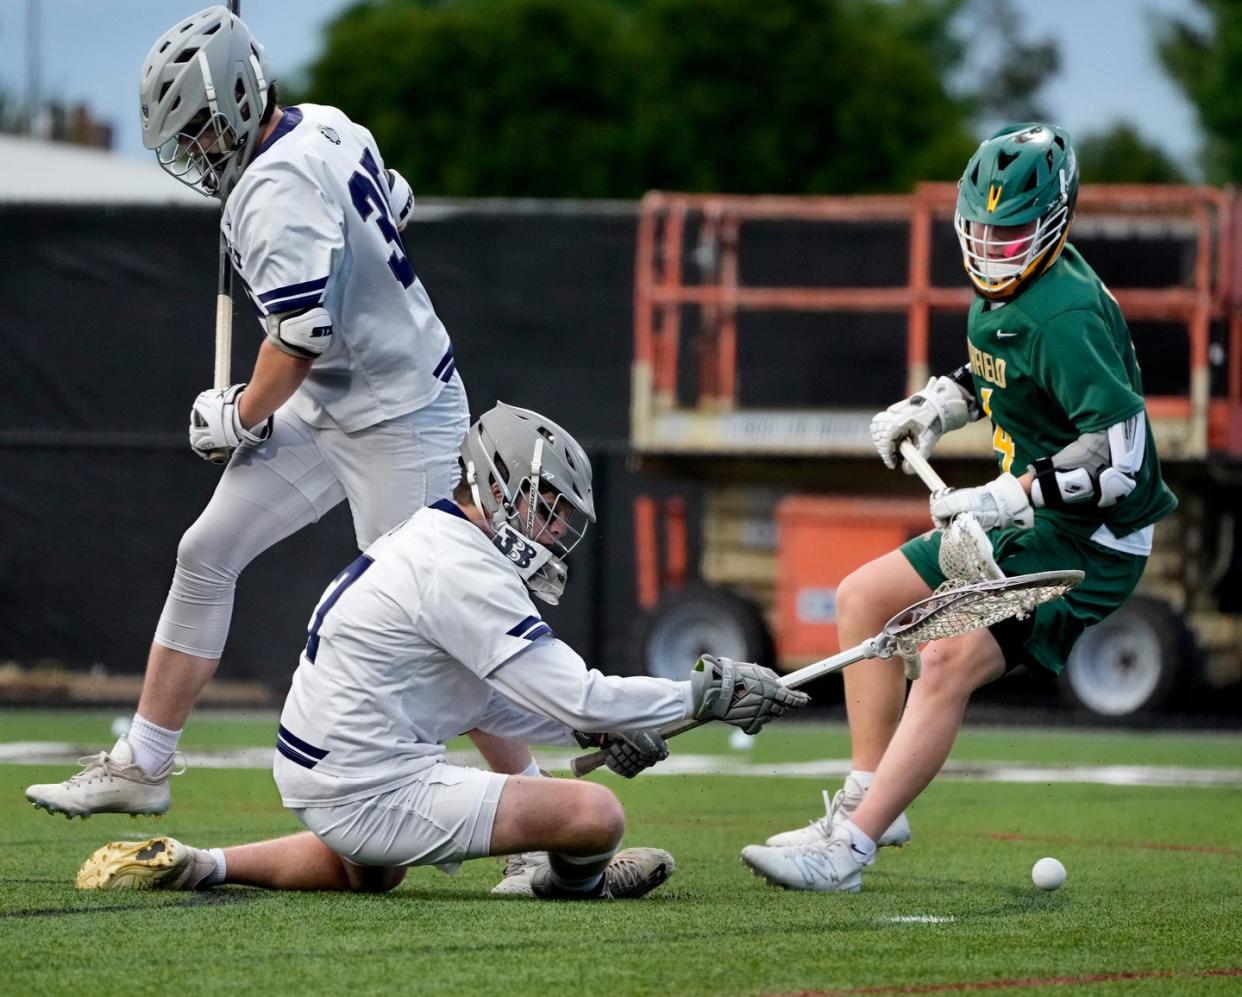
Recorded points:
(1014,206)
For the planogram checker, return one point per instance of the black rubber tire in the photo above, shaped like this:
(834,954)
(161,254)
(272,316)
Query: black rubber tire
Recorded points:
(696,620)
(1132,663)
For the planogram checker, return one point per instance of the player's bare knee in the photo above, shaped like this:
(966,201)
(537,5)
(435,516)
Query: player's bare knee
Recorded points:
(857,594)
(601,816)
(950,670)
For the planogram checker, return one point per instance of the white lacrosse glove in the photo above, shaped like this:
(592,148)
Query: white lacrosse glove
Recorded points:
(215,429)
(924,417)
(1000,503)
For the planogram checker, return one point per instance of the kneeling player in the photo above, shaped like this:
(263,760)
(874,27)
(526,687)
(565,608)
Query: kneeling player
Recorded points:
(432,633)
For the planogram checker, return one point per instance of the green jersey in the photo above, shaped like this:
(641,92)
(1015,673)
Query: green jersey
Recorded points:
(1056,362)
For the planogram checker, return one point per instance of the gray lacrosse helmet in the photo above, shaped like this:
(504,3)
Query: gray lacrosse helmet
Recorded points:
(521,453)
(202,93)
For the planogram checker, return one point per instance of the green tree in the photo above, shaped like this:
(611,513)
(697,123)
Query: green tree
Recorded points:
(1122,155)
(505,97)
(607,98)
(798,96)
(1010,68)
(1203,55)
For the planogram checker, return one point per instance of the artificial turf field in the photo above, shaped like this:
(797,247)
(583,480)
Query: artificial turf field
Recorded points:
(1153,903)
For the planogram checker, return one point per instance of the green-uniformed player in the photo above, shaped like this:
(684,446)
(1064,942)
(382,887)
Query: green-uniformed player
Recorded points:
(1052,365)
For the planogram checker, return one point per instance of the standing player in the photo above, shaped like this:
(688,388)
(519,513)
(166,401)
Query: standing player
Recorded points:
(354,395)
(428,634)
(1053,366)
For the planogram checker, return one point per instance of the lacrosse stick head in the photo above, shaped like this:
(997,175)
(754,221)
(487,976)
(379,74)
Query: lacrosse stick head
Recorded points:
(951,612)
(966,551)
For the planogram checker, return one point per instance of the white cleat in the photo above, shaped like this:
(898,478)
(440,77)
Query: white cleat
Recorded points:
(109,783)
(831,865)
(632,873)
(155,864)
(840,808)
(519,869)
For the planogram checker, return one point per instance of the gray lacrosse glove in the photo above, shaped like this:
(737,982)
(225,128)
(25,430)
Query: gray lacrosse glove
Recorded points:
(627,754)
(739,693)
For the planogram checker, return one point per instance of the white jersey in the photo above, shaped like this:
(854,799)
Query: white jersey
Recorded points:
(310,224)
(429,634)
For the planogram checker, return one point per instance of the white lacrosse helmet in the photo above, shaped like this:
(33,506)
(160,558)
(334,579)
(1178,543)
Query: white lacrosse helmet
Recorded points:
(202,94)
(543,480)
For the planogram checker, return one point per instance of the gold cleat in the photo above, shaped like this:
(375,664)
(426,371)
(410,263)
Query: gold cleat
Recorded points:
(154,864)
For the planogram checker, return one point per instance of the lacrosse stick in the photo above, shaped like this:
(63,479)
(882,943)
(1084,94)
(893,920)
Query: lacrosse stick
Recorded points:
(965,551)
(224,311)
(947,613)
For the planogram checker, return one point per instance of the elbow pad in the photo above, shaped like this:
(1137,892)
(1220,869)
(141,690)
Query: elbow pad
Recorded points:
(1097,468)
(305,334)
(400,198)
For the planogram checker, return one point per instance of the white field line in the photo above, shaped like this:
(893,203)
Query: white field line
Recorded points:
(55,753)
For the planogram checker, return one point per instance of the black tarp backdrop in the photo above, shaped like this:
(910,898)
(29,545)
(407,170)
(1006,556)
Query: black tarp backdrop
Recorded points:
(106,329)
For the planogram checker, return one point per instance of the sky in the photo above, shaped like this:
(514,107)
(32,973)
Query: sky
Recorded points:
(92,50)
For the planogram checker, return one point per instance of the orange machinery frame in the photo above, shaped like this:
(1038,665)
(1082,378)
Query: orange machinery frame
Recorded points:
(1214,293)
(1201,425)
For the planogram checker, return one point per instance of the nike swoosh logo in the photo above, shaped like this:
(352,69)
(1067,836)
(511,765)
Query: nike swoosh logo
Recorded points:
(1000,334)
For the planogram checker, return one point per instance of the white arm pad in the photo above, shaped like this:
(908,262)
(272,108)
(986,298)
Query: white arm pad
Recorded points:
(304,334)
(551,680)
(1096,467)
(400,199)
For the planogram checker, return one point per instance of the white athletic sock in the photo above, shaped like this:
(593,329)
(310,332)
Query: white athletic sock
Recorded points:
(152,745)
(864,779)
(222,867)
(861,845)
(531,770)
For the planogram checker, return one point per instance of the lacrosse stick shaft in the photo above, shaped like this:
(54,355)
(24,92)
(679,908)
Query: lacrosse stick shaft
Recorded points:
(224,321)
(583,764)
(924,470)
(222,366)
(224,295)
(222,373)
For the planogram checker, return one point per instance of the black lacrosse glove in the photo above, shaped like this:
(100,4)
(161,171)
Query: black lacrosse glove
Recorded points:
(627,754)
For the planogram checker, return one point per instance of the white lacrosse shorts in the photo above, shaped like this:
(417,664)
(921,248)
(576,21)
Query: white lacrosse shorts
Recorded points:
(442,818)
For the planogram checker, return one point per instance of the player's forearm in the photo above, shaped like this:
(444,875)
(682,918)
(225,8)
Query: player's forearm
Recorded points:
(277,375)
(552,681)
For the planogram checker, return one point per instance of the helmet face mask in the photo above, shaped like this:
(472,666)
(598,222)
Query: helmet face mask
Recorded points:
(203,92)
(1014,206)
(532,481)
(199,155)
(551,519)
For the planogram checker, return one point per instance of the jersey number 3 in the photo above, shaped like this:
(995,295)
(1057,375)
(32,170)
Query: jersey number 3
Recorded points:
(367,190)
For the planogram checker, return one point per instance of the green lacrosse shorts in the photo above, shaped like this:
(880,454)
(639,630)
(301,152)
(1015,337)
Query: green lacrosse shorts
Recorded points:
(1046,637)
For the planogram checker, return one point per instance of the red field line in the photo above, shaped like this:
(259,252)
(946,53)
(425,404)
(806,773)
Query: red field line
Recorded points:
(1019,984)
(1153,846)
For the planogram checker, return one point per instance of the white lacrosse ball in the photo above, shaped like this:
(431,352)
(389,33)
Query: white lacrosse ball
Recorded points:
(1048,874)
(739,740)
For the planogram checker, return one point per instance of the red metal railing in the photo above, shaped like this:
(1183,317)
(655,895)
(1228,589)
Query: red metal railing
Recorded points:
(1213,292)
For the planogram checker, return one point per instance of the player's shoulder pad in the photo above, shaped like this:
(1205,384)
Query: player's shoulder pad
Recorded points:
(400,198)
(305,334)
